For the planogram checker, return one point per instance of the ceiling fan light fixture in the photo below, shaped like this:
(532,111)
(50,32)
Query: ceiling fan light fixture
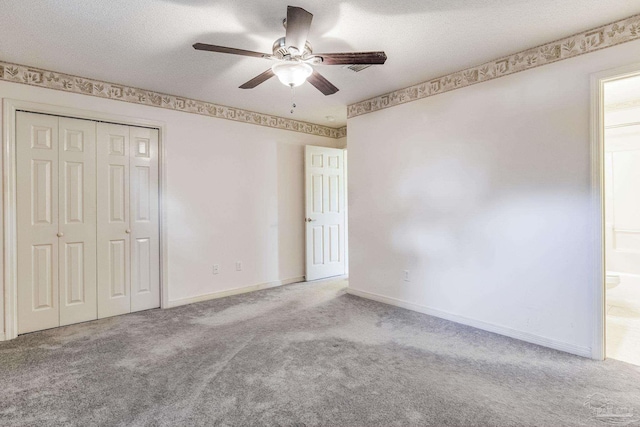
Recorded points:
(294,56)
(292,74)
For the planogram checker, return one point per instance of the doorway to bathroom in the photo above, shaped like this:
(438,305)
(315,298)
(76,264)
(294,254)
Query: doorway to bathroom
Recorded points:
(620,165)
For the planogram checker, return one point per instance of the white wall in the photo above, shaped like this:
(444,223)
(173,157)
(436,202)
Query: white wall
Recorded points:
(622,116)
(483,193)
(235,193)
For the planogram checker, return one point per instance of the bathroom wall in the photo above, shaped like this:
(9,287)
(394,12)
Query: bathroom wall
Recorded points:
(622,232)
(622,199)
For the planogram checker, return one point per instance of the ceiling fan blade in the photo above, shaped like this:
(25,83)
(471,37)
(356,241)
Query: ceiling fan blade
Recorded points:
(234,51)
(322,84)
(260,78)
(298,24)
(348,58)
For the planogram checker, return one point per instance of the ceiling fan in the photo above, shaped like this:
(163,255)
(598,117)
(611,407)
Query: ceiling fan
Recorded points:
(294,57)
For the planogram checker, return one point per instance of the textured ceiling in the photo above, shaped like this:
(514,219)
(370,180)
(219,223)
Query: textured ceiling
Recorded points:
(147,43)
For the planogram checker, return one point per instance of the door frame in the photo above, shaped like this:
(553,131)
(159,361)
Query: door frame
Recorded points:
(8,232)
(598,345)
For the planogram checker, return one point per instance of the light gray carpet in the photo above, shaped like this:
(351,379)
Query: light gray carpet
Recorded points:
(304,354)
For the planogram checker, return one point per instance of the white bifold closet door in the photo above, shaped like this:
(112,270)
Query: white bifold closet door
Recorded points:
(87,220)
(128,220)
(56,209)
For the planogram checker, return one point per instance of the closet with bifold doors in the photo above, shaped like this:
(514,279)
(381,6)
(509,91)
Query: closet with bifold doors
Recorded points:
(87,220)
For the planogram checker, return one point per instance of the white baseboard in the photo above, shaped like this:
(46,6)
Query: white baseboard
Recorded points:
(230,292)
(490,327)
(2,336)
(293,280)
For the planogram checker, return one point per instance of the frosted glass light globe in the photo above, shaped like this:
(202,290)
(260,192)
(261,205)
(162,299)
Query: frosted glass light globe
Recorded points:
(292,74)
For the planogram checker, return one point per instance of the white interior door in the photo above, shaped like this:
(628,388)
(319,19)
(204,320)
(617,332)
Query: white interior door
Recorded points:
(37,221)
(114,254)
(145,238)
(77,220)
(325,212)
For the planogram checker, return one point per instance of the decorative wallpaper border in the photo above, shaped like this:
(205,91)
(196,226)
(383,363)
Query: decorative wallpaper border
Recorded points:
(609,35)
(32,76)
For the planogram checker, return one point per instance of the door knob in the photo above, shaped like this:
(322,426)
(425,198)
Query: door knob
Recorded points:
(60,234)
(127,231)
(309,220)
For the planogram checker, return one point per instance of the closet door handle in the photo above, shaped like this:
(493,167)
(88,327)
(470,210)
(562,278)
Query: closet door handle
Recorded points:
(60,234)
(128,231)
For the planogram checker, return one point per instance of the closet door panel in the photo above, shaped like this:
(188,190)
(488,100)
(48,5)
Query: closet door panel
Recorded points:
(77,220)
(145,240)
(114,246)
(37,221)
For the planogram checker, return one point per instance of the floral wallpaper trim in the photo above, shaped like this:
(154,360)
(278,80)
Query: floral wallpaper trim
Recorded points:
(609,35)
(68,83)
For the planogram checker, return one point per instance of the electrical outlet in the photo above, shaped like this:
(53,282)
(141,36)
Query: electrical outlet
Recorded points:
(216,269)
(406,275)
(238,265)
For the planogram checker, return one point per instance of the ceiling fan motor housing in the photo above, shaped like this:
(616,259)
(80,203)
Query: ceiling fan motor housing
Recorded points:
(282,51)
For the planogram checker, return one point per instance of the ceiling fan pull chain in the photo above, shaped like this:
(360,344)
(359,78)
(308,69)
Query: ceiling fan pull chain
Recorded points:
(293,99)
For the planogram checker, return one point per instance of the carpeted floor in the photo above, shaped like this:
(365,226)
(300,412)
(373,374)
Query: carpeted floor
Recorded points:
(304,354)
